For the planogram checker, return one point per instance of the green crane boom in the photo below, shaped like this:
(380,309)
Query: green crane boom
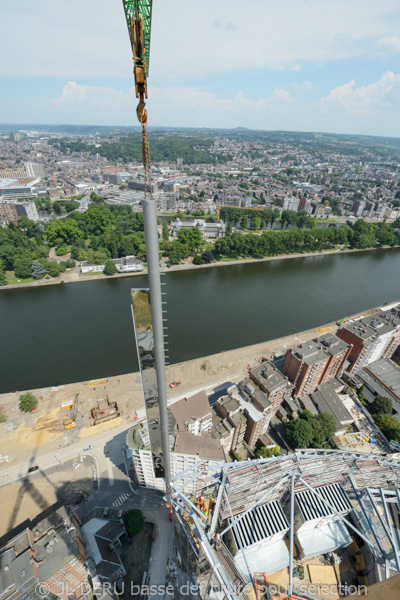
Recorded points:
(134,9)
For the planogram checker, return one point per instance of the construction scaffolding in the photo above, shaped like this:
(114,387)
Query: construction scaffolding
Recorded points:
(343,495)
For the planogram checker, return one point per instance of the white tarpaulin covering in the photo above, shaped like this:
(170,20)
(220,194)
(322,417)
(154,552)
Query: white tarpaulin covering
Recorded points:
(269,557)
(323,538)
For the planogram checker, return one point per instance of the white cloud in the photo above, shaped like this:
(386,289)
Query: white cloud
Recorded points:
(89,39)
(170,97)
(364,100)
(390,45)
(74,93)
(306,85)
(203,100)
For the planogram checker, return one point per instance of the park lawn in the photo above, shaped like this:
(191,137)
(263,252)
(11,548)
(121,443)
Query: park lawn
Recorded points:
(12,280)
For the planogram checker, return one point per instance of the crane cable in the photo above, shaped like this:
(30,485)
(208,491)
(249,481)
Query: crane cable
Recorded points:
(140,73)
(146,163)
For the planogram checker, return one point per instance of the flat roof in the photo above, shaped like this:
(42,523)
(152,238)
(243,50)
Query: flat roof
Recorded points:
(269,376)
(202,445)
(56,549)
(332,344)
(327,400)
(387,372)
(310,352)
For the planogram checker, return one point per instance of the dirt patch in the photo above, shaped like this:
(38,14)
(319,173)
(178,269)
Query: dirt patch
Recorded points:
(88,432)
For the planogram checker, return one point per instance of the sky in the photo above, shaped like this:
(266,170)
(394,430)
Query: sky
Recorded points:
(297,65)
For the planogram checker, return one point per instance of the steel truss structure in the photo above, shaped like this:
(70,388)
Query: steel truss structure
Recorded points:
(359,490)
(143,8)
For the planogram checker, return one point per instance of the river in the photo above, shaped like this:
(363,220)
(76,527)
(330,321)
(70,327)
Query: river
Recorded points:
(78,331)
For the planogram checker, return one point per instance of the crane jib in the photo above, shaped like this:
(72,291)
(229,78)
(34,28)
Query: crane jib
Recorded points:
(135,9)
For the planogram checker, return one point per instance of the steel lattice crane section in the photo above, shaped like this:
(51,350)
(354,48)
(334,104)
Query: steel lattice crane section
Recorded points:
(133,10)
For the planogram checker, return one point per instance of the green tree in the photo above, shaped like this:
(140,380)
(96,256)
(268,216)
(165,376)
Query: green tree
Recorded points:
(54,269)
(134,522)
(198,260)
(65,229)
(389,426)
(235,455)
(307,415)
(22,267)
(38,270)
(81,254)
(381,406)
(96,198)
(261,451)
(175,256)
(27,402)
(165,232)
(109,267)
(386,236)
(98,219)
(3,278)
(299,433)
(328,425)
(62,250)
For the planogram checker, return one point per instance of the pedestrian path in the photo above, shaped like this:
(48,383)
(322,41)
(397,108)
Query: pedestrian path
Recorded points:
(121,499)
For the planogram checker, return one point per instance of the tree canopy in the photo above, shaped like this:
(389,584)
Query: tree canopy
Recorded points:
(134,522)
(28,402)
(309,431)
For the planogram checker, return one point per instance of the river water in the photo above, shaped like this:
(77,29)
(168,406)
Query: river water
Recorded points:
(78,331)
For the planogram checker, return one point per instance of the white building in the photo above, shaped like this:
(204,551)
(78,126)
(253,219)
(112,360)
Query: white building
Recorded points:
(19,191)
(208,230)
(126,264)
(291,203)
(31,211)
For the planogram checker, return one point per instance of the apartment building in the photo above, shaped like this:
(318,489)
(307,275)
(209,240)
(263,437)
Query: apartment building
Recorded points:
(312,363)
(195,452)
(192,414)
(272,386)
(372,337)
(229,424)
(10,212)
(256,420)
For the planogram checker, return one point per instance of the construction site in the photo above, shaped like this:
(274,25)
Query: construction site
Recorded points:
(94,412)
(313,524)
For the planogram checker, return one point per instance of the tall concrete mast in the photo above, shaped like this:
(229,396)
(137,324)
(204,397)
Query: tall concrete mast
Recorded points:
(153,266)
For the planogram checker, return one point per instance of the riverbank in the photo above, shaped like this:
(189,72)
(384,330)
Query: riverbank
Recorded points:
(74,275)
(42,431)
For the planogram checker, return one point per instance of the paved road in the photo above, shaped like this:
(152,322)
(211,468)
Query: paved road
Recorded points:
(101,443)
